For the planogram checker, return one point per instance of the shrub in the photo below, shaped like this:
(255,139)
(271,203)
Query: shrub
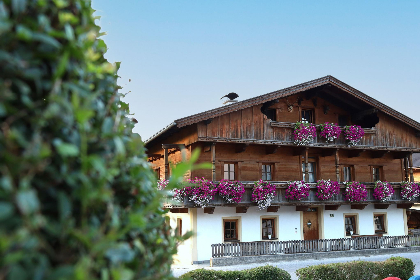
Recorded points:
(263,272)
(78,199)
(395,266)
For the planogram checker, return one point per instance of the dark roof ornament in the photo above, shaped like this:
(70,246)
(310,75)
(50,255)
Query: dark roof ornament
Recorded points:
(231,96)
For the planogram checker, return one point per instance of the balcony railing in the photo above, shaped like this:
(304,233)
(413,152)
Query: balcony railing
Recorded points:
(280,197)
(258,248)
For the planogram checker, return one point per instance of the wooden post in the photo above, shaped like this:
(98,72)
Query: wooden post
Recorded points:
(337,167)
(306,165)
(213,162)
(165,157)
(405,169)
(410,159)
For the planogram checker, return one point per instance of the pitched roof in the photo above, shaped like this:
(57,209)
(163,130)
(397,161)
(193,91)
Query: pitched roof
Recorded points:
(179,123)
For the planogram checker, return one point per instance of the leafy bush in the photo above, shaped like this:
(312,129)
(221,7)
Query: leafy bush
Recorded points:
(395,266)
(77,197)
(263,272)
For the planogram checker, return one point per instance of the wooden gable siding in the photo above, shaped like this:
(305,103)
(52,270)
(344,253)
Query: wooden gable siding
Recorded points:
(252,124)
(287,165)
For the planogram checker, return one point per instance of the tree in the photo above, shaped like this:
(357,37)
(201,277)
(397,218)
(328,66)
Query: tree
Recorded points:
(78,199)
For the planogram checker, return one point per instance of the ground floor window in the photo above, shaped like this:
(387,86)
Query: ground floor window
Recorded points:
(350,225)
(268,228)
(379,221)
(178,226)
(230,229)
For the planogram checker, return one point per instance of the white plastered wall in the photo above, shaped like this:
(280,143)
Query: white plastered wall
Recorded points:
(334,226)
(210,226)
(184,255)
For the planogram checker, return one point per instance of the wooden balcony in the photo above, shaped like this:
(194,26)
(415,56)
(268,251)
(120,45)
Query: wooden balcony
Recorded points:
(258,248)
(312,200)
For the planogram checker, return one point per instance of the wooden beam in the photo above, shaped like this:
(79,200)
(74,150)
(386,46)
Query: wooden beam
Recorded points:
(173,146)
(271,149)
(213,162)
(355,153)
(240,148)
(154,157)
(379,154)
(406,169)
(273,208)
(209,210)
(332,207)
(358,206)
(241,209)
(404,205)
(359,115)
(302,208)
(179,210)
(306,164)
(166,158)
(381,206)
(410,161)
(298,151)
(327,152)
(399,155)
(337,166)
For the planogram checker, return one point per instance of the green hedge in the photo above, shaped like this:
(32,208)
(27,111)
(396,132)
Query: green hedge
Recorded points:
(263,272)
(395,266)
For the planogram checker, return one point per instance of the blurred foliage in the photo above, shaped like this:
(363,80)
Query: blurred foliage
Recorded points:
(78,199)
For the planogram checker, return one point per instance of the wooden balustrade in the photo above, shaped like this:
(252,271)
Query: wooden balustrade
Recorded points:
(312,199)
(258,248)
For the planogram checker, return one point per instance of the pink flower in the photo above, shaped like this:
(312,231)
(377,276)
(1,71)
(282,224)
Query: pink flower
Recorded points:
(354,133)
(231,191)
(355,192)
(304,133)
(330,131)
(383,191)
(297,190)
(327,189)
(263,193)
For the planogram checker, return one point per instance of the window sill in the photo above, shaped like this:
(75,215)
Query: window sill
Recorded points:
(266,239)
(231,241)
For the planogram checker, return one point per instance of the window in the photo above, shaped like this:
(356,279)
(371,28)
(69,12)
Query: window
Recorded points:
(350,224)
(267,172)
(230,230)
(342,120)
(307,115)
(157,172)
(348,173)
(178,226)
(229,171)
(311,172)
(379,220)
(376,173)
(268,228)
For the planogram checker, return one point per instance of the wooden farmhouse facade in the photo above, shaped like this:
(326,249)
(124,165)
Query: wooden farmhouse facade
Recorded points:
(253,139)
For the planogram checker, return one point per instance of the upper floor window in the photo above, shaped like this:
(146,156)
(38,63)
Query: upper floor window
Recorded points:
(348,173)
(311,172)
(267,172)
(376,173)
(307,115)
(342,120)
(229,171)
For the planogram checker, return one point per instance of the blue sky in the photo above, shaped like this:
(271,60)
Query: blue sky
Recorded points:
(182,56)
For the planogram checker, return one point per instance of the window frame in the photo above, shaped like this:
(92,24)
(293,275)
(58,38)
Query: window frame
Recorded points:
(273,228)
(383,222)
(235,169)
(157,172)
(355,225)
(352,174)
(380,173)
(313,161)
(308,109)
(236,237)
(265,172)
(178,226)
